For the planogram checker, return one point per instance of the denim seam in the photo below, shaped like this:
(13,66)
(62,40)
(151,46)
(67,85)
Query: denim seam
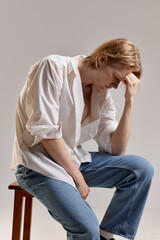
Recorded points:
(129,208)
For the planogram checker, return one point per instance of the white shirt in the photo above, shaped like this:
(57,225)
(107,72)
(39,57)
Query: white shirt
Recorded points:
(51,106)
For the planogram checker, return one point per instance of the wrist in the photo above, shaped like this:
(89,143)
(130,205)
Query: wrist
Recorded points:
(78,177)
(129,102)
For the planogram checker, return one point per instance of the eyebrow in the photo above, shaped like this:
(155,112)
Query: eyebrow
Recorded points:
(118,75)
(122,78)
(117,78)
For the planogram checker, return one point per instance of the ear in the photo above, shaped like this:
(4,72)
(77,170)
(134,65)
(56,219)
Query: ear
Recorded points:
(102,59)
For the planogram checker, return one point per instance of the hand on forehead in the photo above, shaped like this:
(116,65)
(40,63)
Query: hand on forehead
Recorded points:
(122,73)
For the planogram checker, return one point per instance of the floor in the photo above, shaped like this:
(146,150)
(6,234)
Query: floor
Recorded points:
(45,228)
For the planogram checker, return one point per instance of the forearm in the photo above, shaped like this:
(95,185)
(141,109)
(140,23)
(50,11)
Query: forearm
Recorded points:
(120,137)
(57,150)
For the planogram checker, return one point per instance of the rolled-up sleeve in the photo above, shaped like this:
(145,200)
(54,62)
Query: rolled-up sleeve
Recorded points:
(42,104)
(107,125)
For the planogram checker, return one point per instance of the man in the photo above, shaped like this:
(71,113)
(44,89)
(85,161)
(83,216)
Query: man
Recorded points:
(65,102)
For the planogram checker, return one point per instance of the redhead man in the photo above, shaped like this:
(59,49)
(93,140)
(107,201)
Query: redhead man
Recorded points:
(65,102)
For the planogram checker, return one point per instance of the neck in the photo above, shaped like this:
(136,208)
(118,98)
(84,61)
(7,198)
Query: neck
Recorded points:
(85,73)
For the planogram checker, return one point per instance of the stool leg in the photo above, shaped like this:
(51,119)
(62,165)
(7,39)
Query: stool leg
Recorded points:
(17,216)
(27,218)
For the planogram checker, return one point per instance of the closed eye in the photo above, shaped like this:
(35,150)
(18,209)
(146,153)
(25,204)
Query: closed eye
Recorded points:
(117,79)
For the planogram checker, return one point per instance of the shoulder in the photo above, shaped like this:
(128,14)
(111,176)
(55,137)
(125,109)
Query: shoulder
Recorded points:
(54,61)
(49,70)
(57,60)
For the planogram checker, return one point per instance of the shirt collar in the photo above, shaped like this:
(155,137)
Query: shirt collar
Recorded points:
(73,64)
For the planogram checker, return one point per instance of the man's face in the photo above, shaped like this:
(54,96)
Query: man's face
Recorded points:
(111,76)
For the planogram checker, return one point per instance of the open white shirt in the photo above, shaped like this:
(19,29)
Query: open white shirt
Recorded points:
(51,106)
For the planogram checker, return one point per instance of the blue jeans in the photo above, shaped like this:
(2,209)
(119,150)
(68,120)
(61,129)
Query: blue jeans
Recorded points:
(131,175)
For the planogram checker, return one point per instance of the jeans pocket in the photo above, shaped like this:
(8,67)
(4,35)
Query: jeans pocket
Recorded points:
(19,172)
(19,169)
(27,171)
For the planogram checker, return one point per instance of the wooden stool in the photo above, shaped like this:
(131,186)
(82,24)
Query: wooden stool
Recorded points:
(17,212)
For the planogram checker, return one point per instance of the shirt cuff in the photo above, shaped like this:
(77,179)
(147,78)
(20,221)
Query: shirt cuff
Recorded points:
(32,135)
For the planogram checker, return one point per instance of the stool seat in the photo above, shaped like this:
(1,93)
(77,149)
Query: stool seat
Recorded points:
(19,195)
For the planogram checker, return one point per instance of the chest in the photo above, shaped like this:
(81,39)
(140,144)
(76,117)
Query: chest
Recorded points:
(87,107)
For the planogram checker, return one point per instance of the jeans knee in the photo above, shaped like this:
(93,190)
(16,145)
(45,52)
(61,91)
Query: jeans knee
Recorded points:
(93,233)
(84,229)
(149,170)
(145,168)
(92,230)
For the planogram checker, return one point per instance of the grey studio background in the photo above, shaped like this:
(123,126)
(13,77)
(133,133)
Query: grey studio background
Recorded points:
(33,29)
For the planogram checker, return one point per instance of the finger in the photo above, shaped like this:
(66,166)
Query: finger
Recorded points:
(85,197)
(132,76)
(129,80)
(133,81)
(135,78)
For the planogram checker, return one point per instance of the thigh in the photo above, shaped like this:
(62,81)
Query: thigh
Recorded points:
(62,200)
(107,170)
